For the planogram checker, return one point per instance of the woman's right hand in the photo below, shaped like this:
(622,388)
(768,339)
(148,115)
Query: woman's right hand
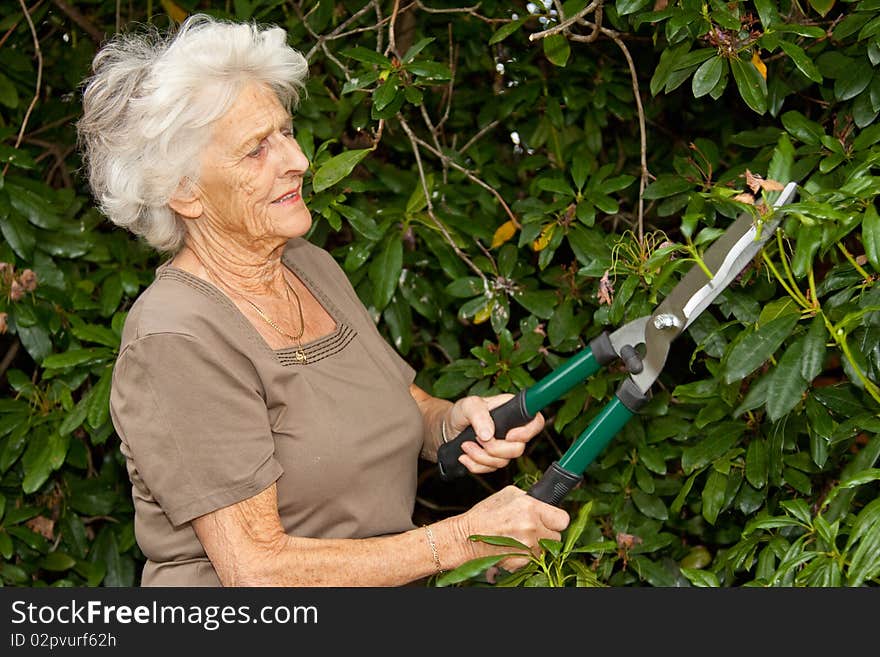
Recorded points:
(511,512)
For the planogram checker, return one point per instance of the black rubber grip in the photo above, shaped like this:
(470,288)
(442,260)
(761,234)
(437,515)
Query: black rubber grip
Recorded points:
(510,414)
(603,350)
(556,483)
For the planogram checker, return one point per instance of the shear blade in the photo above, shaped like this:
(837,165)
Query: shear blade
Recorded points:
(725,259)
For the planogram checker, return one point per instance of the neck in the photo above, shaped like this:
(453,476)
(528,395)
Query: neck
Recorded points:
(247,271)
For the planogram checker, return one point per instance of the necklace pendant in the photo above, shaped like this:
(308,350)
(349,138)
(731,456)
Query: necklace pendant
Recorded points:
(300,356)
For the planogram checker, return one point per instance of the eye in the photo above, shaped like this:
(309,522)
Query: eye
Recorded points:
(258,150)
(288,132)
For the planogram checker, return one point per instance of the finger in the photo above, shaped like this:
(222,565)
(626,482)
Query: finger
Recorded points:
(499,449)
(554,518)
(513,563)
(494,401)
(473,466)
(474,412)
(527,431)
(477,461)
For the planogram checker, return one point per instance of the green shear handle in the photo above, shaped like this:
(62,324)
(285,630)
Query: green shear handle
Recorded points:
(525,405)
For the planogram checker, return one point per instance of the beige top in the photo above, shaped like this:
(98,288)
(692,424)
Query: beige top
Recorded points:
(209,415)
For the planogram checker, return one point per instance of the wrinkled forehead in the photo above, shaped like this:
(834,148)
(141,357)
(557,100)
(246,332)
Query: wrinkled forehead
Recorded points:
(254,113)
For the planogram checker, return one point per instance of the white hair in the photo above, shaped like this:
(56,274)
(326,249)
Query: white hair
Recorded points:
(149,105)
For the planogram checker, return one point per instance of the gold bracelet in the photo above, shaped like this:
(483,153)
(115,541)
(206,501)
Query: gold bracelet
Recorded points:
(433,546)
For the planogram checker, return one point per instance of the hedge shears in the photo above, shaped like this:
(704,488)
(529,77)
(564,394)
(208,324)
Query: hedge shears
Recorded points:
(641,344)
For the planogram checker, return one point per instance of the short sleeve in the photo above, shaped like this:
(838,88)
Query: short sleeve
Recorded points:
(194,422)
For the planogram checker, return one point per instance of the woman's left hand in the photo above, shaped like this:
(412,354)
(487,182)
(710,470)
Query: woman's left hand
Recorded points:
(488,453)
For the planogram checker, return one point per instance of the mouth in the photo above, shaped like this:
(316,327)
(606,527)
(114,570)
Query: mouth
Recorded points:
(287,197)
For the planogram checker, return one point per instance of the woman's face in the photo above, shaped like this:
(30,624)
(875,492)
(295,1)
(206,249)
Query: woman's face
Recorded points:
(252,172)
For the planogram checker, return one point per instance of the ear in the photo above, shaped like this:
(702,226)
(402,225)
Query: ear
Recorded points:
(186,200)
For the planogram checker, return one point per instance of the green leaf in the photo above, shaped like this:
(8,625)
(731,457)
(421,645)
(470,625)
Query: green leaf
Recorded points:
(57,562)
(367,56)
(99,400)
(865,560)
(13,447)
(751,84)
(361,222)
(92,497)
(813,361)
(822,6)
(385,271)
(362,81)
(871,235)
(627,7)
(801,60)
(34,207)
(840,399)
(540,303)
(76,357)
(385,93)
(36,341)
(854,80)
(576,528)
(6,547)
(557,49)
(713,495)
(77,416)
(809,239)
(432,71)
(337,168)
(767,12)
(416,48)
(667,185)
(669,57)
(500,541)
(758,345)
(707,76)
(95,333)
(8,94)
(19,235)
(701,578)
(468,570)
(757,463)
(788,385)
(651,505)
(714,446)
(782,161)
(16,157)
(466,287)
(802,128)
(36,462)
(506,30)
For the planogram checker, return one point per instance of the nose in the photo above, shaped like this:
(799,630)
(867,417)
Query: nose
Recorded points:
(293,158)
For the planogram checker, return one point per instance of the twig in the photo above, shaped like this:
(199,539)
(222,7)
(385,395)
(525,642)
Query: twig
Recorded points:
(476,137)
(460,10)
(414,142)
(77,17)
(470,175)
(39,52)
(392,39)
(53,149)
(643,134)
(567,23)
(9,356)
(339,32)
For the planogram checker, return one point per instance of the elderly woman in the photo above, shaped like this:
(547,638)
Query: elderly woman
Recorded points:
(271,435)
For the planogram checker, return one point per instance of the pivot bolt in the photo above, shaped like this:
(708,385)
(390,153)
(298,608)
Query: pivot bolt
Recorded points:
(666,320)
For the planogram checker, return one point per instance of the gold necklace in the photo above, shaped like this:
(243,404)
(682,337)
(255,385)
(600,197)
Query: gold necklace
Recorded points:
(299,354)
